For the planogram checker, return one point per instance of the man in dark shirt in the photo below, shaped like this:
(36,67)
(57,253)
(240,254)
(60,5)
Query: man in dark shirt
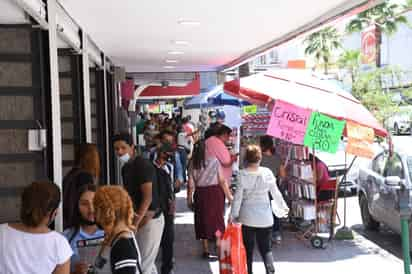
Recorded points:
(164,173)
(139,179)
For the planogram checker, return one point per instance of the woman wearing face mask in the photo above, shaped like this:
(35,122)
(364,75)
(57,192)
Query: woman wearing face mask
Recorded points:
(30,246)
(86,170)
(114,212)
(84,227)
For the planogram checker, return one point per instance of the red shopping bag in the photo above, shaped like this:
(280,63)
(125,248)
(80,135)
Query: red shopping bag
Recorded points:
(232,253)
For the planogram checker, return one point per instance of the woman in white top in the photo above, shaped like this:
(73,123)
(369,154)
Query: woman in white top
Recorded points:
(252,208)
(30,247)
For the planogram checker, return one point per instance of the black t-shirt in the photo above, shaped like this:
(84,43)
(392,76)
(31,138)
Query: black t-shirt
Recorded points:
(136,173)
(124,257)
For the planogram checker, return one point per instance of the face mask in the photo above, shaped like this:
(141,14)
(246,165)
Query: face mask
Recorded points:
(124,158)
(86,222)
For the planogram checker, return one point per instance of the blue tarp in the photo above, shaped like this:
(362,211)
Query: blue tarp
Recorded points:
(212,98)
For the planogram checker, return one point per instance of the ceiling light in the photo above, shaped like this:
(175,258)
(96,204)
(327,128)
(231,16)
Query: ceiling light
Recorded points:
(188,22)
(171,61)
(169,67)
(181,42)
(175,52)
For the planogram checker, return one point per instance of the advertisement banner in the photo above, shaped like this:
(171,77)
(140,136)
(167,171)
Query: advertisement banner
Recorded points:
(368,46)
(288,122)
(323,133)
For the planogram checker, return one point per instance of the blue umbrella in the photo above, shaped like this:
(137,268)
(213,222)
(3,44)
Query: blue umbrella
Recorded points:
(212,98)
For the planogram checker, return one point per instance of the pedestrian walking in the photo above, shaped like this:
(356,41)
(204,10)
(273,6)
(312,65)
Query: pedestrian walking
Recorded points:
(206,184)
(252,207)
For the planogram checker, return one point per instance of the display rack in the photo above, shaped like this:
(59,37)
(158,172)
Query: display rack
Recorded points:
(306,213)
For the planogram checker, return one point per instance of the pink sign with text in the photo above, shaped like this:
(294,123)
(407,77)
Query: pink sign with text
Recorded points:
(289,122)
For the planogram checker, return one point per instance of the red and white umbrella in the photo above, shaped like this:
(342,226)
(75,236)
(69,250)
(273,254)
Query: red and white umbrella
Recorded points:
(303,89)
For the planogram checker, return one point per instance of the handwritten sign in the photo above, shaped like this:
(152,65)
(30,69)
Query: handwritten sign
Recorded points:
(288,122)
(252,109)
(323,133)
(360,139)
(359,132)
(359,148)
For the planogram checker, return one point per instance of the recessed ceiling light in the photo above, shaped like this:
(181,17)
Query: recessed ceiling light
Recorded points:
(171,61)
(181,42)
(188,22)
(175,52)
(169,67)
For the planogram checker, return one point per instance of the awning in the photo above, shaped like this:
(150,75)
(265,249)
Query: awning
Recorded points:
(171,92)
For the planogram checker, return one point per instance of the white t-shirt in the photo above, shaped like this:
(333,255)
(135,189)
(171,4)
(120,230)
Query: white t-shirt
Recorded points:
(22,252)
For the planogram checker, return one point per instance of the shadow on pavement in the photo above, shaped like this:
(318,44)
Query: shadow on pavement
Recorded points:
(384,238)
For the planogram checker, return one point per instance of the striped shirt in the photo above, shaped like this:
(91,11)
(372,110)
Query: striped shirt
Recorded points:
(125,257)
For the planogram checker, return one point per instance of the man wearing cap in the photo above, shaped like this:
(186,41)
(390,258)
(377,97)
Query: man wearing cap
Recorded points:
(164,172)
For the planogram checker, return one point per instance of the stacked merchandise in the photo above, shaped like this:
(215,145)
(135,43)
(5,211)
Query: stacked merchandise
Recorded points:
(256,124)
(300,188)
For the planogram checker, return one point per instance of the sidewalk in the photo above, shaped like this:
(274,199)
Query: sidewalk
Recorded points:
(292,256)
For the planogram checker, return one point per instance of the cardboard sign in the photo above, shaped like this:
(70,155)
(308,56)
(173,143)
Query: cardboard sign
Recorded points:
(323,133)
(359,148)
(252,109)
(360,139)
(288,122)
(358,132)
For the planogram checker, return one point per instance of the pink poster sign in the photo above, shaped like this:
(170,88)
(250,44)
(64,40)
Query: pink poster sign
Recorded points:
(289,122)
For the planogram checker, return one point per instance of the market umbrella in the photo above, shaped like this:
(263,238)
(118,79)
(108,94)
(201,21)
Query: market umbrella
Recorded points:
(212,98)
(304,89)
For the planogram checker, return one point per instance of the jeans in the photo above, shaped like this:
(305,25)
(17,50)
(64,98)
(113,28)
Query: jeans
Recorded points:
(264,241)
(168,239)
(148,238)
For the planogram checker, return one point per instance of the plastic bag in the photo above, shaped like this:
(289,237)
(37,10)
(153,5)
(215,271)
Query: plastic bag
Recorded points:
(232,253)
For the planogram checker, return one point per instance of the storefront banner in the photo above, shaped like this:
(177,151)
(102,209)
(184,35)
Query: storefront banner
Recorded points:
(360,148)
(323,133)
(358,132)
(252,109)
(288,122)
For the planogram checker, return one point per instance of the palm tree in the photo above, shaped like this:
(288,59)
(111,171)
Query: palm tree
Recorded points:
(385,17)
(321,44)
(350,60)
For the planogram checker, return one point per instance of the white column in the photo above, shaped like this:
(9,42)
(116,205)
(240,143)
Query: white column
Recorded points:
(55,105)
(86,87)
(106,118)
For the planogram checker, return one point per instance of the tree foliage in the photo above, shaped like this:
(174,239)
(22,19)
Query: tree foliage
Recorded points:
(321,45)
(386,16)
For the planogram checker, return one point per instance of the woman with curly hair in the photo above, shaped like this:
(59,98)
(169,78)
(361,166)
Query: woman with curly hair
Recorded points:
(114,212)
